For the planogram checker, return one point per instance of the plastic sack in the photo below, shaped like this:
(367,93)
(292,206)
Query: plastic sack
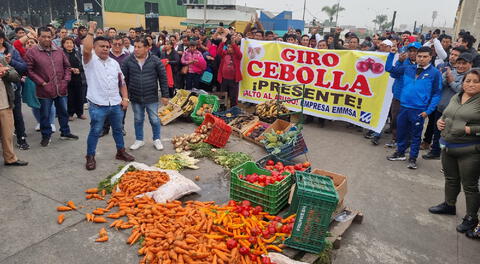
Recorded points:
(282,259)
(177,187)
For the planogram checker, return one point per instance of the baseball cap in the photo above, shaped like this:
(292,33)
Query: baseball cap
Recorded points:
(388,42)
(416,45)
(466,56)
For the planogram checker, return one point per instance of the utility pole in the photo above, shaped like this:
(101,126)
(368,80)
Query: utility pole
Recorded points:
(336,19)
(75,7)
(204,13)
(415,26)
(393,20)
(304,6)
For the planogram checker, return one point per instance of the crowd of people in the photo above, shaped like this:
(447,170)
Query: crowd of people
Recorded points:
(59,73)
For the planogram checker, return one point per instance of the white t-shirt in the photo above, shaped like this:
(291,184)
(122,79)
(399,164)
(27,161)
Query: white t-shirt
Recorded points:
(103,78)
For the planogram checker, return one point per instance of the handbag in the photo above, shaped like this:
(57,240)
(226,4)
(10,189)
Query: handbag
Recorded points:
(207,76)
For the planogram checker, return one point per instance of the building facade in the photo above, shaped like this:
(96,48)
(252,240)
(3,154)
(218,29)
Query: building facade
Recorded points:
(468,18)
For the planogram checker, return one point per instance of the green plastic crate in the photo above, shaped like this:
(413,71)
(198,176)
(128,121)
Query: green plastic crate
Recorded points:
(314,201)
(272,197)
(263,161)
(204,99)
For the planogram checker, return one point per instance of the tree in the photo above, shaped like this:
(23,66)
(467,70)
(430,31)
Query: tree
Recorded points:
(380,20)
(332,11)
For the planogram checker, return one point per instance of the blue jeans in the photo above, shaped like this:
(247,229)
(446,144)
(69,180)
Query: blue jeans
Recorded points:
(98,114)
(45,112)
(139,117)
(36,114)
(409,126)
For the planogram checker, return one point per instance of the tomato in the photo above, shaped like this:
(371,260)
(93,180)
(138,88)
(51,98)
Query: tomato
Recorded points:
(258,209)
(277,218)
(306,164)
(244,250)
(270,168)
(232,243)
(232,203)
(238,209)
(255,231)
(272,230)
(252,240)
(270,162)
(298,166)
(253,257)
(285,229)
(246,203)
(265,233)
(266,260)
(245,213)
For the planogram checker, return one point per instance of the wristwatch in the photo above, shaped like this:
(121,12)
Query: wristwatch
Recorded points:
(126,100)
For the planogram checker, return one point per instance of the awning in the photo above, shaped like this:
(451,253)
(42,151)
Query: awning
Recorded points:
(208,24)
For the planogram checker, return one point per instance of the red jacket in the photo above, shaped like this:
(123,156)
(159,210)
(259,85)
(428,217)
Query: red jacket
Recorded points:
(237,58)
(51,67)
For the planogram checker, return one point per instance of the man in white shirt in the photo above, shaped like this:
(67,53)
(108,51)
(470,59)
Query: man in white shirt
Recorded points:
(105,84)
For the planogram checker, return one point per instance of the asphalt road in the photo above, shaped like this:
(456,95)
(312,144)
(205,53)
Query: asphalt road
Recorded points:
(397,227)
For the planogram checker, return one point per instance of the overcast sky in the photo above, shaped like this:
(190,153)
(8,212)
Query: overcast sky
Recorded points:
(361,12)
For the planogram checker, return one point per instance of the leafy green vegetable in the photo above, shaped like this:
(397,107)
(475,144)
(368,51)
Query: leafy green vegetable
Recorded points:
(106,183)
(222,157)
(177,161)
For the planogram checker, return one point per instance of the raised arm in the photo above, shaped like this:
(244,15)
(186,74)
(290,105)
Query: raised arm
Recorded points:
(88,42)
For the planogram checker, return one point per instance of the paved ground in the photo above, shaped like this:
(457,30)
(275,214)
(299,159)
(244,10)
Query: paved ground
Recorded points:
(397,227)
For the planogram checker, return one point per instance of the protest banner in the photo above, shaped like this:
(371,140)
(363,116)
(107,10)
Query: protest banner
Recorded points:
(339,84)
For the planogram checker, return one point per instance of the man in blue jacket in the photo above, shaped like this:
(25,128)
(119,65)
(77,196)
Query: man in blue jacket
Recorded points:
(421,92)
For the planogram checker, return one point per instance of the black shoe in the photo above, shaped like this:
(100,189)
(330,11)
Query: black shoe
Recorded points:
(69,137)
(375,140)
(22,144)
(443,209)
(468,223)
(397,156)
(17,163)
(475,233)
(45,141)
(431,156)
(412,164)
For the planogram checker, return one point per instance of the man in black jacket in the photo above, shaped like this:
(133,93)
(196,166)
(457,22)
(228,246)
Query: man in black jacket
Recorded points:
(143,73)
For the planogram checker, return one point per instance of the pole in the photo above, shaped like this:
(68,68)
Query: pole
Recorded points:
(393,20)
(204,13)
(50,9)
(75,6)
(336,19)
(304,6)
(415,26)
(9,9)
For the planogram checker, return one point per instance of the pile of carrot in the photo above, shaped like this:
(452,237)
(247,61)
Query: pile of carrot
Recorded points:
(193,233)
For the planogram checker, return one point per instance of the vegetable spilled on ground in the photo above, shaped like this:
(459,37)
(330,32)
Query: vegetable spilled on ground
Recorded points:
(190,232)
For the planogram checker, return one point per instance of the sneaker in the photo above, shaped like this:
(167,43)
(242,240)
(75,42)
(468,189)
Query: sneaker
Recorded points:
(443,209)
(158,144)
(37,127)
(69,137)
(431,156)
(375,140)
(391,144)
(397,156)
(425,146)
(138,144)
(412,164)
(468,223)
(54,129)
(369,135)
(45,141)
(475,233)
(22,144)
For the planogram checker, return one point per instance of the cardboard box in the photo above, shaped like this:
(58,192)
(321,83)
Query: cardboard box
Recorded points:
(340,182)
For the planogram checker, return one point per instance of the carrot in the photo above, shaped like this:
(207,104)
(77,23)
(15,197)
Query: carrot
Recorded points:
(104,192)
(179,259)
(102,239)
(135,238)
(110,205)
(200,255)
(71,205)
(114,216)
(60,219)
(182,244)
(180,250)
(91,190)
(97,212)
(99,219)
(102,232)
(63,208)
(221,255)
(115,223)
(173,255)
(214,261)
(214,236)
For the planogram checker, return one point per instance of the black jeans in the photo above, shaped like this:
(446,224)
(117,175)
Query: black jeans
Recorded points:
(17,113)
(231,87)
(75,98)
(192,80)
(428,135)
